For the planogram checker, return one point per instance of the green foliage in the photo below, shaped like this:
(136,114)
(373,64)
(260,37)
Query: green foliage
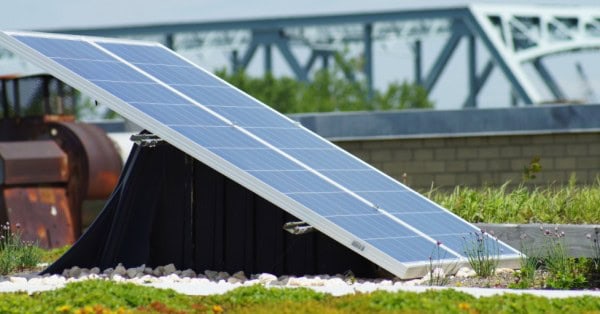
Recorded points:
(483,253)
(534,167)
(328,91)
(16,254)
(564,272)
(522,204)
(49,256)
(526,276)
(110,297)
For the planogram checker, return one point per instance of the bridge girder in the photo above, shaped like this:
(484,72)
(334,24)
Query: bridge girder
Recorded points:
(513,35)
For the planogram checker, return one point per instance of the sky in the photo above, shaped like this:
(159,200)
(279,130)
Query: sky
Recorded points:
(393,62)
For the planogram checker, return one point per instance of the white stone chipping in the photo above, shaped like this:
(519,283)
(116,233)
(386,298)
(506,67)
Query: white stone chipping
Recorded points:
(213,282)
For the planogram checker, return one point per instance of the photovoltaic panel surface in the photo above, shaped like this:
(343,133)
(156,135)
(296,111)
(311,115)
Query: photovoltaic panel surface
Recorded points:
(259,148)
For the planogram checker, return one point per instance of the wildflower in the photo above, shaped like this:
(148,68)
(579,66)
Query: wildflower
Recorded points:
(547,232)
(217,309)
(491,232)
(541,228)
(64,308)
(18,225)
(464,306)
(439,243)
(482,231)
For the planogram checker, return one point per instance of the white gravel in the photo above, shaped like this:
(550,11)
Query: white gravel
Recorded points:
(212,282)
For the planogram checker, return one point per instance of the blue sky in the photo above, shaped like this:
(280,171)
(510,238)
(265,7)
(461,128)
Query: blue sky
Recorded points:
(393,63)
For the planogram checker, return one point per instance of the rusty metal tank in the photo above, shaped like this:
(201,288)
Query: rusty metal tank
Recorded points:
(49,164)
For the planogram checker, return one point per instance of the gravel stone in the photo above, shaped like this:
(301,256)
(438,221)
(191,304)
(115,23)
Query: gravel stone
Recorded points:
(120,270)
(240,275)
(211,274)
(158,271)
(465,272)
(74,272)
(169,269)
(132,272)
(266,278)
(223,275)
(18,280)
(188,273)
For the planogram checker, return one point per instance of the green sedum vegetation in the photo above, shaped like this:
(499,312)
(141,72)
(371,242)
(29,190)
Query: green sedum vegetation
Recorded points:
(110,297)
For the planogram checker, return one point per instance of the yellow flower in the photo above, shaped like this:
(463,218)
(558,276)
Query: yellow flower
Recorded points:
(217,309)
(63,308)
(464,306)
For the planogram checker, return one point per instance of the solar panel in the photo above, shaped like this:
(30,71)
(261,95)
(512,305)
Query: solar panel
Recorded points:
(247,141)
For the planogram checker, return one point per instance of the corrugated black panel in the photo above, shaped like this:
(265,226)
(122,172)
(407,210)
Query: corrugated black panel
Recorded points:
(170,208)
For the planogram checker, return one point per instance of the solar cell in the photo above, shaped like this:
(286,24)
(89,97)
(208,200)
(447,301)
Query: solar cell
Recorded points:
(254,145)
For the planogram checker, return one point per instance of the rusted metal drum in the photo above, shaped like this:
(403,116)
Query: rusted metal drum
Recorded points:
(94,163)
(42,213)
(98,160)
(33,176)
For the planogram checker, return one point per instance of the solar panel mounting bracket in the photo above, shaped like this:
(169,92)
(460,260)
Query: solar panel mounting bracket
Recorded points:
(298,227)
(147,140)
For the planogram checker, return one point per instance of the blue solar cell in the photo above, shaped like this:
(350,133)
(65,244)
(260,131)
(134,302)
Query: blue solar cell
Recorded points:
(290,138)
(325,159)
(415,249)
(444,227)
(256,159)
(211,96)
(333,204)
(253,117)
(144,54)
(181,75)
(103,70)
(179,114)
(141,92)
(373,226)
(64,48)
(400,202)
(218,137)
(295,181)
(363,180)
(437,223)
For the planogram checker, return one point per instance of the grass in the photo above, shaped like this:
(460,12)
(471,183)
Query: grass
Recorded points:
(110,297)
(483,253)
(16,254)
(552,204)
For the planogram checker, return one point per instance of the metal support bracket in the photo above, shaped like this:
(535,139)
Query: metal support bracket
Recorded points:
(147,140)
(298,227)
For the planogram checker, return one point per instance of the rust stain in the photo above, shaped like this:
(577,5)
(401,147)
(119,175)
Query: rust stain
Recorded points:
(44,214)
(32,196)
(47,196)
(42,234)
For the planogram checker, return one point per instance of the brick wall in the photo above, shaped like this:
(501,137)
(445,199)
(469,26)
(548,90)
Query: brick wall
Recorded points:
(480,160)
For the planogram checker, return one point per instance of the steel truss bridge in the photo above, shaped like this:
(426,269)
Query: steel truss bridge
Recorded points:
(514,36)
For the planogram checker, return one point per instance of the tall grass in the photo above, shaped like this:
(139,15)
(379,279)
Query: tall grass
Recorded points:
(16,254)
(570,203)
